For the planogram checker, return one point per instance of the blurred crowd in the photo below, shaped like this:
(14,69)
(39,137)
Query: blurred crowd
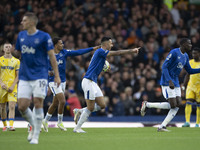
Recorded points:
(148,24)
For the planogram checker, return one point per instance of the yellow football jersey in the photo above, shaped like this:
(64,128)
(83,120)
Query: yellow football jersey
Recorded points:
(194,78)
(8,68)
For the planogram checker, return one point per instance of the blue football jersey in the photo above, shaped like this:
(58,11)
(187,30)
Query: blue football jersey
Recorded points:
(34,56)
(61,58)
(96,64)
(173,65)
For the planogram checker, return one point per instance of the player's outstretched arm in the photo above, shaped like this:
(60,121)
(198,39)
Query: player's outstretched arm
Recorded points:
(81,51)
(123,52)
(189,69)
(54,66)
(96,47)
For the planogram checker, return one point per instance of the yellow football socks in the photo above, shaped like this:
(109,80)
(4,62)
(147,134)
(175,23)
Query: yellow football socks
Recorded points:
(4,122)
(11,122)
(198,115)
(188,111)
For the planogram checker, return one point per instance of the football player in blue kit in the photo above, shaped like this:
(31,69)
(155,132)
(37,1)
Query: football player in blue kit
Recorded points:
(176,60)
(92,92)
(35,47)
(58,92)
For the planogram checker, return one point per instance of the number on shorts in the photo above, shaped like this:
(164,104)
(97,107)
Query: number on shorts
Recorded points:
(42,83)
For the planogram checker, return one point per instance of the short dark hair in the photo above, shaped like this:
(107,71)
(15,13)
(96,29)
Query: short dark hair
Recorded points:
(105,39)
(196,49)
(7,42)
(55,40)
(183,41)
(32,16)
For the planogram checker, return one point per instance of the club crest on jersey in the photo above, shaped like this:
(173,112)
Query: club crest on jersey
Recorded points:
(22,39)
(37,41)
(179,57)
(180,65)
(60,54)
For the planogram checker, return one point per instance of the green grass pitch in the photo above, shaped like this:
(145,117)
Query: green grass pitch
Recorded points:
(105,139)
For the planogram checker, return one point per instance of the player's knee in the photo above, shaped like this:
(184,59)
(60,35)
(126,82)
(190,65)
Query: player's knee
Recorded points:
(91,108)
(3,109)
(21,108)
(173,104)
(12,108)
(103,106)
(178,101)
(54,105)
(62,102)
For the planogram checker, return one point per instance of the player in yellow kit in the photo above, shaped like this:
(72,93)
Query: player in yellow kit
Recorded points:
(9,67)
(193,89)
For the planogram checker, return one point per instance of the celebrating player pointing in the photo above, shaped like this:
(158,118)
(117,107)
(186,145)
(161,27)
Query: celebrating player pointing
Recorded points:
(58,92)
(92,92)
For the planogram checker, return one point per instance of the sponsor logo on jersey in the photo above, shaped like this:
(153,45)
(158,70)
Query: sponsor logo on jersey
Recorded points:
(60,62)
(7,67)
(180,65)
(28,50)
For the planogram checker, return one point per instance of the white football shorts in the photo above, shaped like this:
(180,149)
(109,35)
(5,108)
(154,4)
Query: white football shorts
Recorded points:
(37,88)
(55,90)
(171,93)
(91,89)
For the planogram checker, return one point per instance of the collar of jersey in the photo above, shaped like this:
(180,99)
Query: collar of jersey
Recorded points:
(33,33)
(7,58)
(104,49)
(180,51)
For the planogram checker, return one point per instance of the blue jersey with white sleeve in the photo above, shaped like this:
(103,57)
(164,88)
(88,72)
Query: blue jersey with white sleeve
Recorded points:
(34,56)
(96,64)
(173,65)
(61,58)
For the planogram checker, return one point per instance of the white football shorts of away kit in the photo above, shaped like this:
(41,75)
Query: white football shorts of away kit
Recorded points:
(171,93)
(37,88)
(55,90)
(91,89)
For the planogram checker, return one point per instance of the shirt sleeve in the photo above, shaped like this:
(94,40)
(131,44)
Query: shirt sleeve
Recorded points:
(77,52)
(49,65)
(17,45)
(18,65)
(188,67)
(103,53)
(48,43)
(165,66)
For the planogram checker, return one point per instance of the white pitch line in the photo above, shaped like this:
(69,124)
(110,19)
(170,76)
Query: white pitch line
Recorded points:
(70,124)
